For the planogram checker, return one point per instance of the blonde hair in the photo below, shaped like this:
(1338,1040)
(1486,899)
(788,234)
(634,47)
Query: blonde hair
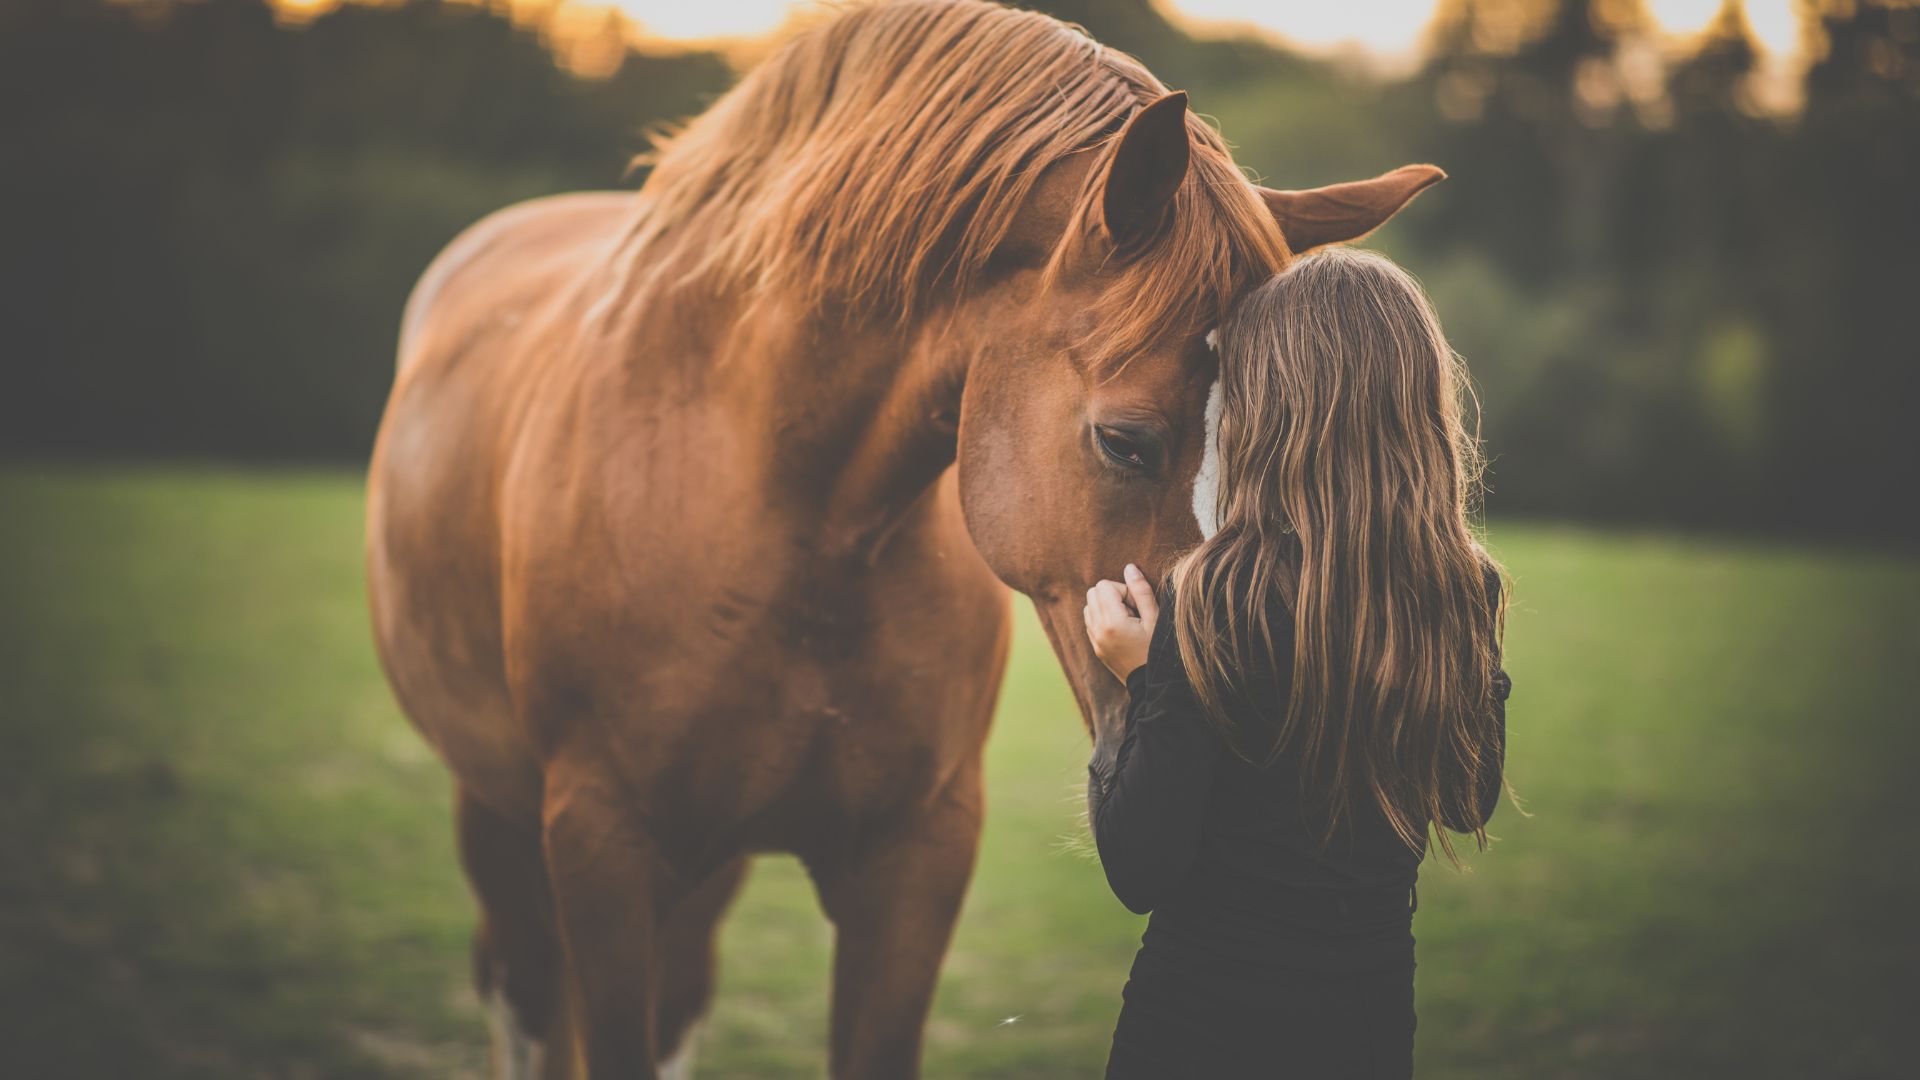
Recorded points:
(881,156)
(1348,483)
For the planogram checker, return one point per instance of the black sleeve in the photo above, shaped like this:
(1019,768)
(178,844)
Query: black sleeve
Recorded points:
(1147,812)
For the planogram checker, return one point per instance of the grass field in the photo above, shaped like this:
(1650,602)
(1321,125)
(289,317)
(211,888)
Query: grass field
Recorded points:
(224,854)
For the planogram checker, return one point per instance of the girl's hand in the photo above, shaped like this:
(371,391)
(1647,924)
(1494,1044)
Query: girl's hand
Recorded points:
(1120,632)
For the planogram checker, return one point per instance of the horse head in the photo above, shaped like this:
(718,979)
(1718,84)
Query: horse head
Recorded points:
(1084,436)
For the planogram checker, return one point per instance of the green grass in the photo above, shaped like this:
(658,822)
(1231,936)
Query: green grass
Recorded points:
(223,853)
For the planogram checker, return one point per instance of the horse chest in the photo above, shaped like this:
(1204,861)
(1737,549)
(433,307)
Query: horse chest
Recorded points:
(822,749)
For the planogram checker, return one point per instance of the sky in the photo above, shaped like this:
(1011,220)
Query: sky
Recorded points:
(1382,35)
(1386,28)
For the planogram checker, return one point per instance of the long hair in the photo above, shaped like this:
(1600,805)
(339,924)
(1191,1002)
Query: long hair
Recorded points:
(876,160)
(1348,481)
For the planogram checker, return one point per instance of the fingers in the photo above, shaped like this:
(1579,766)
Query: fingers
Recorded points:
(1141,590)
(1109,600)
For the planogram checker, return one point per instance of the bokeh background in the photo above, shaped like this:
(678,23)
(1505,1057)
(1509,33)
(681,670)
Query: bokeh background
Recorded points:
(1680,250)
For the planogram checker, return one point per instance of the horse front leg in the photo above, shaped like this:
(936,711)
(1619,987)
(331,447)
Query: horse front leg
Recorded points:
(608,882)
(893,908)
(517,960)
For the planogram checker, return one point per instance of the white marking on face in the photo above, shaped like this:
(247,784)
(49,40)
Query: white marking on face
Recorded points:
(517,1055)
(1206,482)
(680,1065)
(1213,339)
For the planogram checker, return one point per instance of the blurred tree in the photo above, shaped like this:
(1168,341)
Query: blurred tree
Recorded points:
(224,215)
(1680,307)
(1532,89)
(1843,272)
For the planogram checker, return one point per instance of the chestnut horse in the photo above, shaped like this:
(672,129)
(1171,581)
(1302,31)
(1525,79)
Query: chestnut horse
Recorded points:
(690,511)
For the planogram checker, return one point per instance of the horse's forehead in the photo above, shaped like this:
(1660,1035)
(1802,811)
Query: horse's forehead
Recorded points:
(1170,359)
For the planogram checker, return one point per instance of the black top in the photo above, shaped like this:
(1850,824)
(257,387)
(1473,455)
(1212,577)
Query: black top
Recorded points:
(1225,854)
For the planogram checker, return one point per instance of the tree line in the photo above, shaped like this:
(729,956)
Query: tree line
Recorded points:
(1679,307)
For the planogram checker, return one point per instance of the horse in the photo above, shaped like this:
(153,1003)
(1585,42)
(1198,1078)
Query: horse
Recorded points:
(693,513)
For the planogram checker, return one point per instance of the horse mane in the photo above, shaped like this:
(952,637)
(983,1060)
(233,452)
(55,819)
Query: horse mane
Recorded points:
(878,158)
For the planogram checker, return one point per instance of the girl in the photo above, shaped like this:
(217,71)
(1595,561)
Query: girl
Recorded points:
(1318,684)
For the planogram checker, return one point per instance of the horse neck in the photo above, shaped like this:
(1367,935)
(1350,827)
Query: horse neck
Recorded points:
(906,434)
(852,423)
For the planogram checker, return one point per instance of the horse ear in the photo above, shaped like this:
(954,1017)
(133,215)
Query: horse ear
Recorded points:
(1329,215)
(1147,168)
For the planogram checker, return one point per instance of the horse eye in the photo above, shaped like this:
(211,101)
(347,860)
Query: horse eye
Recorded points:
(1121,449)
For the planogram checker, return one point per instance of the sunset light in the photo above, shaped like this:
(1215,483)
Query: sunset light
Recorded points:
(705,21)
(1385,33)
(1383,27)
(1775,22)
